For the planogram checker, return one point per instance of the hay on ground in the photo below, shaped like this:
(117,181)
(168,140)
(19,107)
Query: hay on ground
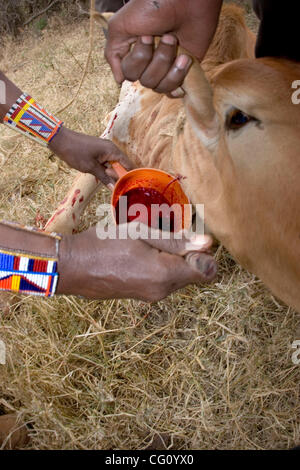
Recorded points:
(209,367)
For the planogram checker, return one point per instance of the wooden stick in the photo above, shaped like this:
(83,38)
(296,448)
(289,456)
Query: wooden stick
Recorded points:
(41,12)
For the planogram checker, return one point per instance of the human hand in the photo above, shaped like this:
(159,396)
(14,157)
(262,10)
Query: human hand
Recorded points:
(88,154)
(105,269)
(192,22)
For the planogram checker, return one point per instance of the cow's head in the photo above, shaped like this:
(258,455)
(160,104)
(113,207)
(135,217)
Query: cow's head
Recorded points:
(248,170)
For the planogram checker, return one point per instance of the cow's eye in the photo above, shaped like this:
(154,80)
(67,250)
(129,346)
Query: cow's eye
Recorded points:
(237,119)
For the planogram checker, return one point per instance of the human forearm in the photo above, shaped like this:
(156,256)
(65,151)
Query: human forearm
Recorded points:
(192,22)
(145,270)
(12,93)
(87,154)
(83,264)
(28,260)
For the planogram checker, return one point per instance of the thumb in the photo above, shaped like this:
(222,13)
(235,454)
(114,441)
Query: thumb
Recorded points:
(192,247)
(111,153)
(100,173)
(180,243)
(198,265)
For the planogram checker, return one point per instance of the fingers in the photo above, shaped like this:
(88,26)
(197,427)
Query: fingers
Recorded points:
(158,69)
(179,244)
(204,263)
(170,271)
(196,266)
(115,50)
(147,64)
(114,61)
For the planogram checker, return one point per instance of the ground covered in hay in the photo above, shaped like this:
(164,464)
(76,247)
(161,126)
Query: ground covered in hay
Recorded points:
(210,367)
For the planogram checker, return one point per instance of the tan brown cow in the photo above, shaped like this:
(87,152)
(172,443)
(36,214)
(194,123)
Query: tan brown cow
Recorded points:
(235,137)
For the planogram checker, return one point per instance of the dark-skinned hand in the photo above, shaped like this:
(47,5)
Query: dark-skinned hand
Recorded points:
(88,154)
(191,23)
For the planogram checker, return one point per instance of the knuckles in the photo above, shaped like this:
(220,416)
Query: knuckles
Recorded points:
(107,54)
(133,62)
(156,295)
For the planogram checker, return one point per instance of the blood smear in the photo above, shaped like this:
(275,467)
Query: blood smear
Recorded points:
(155,218)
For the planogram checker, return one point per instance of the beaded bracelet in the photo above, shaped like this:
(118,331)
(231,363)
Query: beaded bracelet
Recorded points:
(26,272)
(30,119)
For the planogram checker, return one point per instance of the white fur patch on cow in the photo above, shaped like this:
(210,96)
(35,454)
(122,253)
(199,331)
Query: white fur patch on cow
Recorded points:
(2,353)
(128,107)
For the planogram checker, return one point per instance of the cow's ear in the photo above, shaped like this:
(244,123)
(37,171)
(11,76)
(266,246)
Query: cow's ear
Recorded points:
(102,19)
(236,119)
(199,106)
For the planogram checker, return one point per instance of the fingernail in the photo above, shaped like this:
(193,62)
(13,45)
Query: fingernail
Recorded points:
(178,93)
(147,40)
(111,187)
(169,39)
(206,266)
(195,238)
(183,62)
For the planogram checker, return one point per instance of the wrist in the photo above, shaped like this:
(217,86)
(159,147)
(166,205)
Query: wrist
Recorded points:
(28,260)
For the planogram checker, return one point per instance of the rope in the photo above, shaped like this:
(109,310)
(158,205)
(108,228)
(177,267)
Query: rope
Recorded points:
(91,45)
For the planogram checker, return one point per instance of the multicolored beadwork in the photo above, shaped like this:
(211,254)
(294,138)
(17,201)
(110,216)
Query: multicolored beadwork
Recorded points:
(30,119)
(27,274)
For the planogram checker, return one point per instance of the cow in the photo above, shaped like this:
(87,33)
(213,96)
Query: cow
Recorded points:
(235,138)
